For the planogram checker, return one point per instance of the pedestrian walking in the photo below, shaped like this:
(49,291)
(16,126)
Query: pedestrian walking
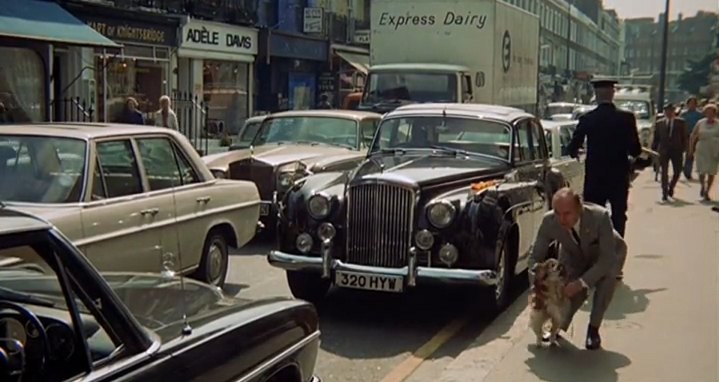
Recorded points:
(670,141)
(612,138)
(324,102)
(704,149)
(167,117)
(691,116)
(131,114)
(591,252)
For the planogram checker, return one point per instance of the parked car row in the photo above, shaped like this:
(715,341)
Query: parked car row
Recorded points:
(448,193)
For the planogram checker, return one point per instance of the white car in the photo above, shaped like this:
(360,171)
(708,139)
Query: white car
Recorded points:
(133,198)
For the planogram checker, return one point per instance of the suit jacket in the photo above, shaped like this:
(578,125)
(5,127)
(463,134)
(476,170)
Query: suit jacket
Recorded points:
(612,137)
(600,250)
(666,144)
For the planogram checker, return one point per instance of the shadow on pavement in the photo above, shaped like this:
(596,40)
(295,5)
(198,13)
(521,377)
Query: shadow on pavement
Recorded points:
(567,363)
(626,301)
(369,325)
(231,289)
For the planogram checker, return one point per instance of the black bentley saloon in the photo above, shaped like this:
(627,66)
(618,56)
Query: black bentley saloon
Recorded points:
(451,193)
(62,321)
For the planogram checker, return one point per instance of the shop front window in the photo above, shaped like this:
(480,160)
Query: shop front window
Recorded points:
(225,87)
(22,86)
(145,79)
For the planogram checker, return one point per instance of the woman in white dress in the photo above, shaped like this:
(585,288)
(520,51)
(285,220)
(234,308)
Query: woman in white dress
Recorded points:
(704,148)
(166,116)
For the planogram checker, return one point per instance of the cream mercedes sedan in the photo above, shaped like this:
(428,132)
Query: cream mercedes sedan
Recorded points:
(133,198)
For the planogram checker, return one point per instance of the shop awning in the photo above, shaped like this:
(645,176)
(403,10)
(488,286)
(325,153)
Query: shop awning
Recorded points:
(47,21)
(359,61)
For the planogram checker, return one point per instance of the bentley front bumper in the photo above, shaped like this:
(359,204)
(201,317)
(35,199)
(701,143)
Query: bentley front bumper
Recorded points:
(411,273)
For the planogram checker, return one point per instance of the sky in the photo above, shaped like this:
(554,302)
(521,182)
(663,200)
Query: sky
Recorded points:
(652,8)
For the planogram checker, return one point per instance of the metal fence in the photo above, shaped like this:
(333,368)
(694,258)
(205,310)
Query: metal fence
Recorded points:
(193,119)
(72,110)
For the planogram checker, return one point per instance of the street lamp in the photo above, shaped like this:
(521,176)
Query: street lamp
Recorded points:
(665,42)
(570,3)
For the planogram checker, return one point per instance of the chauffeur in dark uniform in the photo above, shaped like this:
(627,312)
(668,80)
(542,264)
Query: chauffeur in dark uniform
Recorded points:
(612,138)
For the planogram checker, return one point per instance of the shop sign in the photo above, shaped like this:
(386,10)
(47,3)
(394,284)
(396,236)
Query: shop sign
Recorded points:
(362,36)
(218,37)
(326,83)
(131,30)
(313,20)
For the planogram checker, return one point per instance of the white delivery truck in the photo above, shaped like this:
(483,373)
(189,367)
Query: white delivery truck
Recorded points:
(474,51)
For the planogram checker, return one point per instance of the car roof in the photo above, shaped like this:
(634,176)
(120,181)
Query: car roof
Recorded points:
(257,118)
(552,124)
(81,130)
(14,221)
(331,113)
(478,110)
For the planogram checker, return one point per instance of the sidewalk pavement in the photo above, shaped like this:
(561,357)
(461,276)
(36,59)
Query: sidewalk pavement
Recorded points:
(661,326)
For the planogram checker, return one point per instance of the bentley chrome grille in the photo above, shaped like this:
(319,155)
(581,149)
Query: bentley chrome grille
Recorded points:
(379,224)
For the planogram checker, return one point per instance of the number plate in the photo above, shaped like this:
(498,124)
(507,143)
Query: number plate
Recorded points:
(368,281)
(264,209)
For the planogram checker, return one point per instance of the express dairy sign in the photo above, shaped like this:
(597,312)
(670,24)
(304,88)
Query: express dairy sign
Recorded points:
(448,18)
(202,35)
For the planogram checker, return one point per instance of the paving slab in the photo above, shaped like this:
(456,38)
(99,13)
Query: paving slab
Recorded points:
(661,326)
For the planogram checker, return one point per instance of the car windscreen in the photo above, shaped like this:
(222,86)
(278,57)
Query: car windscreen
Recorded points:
(309,130)
(41,169)
(248,133)
(640,108)
(396,87)
(456,133)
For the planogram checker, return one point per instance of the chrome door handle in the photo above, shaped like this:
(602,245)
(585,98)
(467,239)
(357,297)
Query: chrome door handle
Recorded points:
(150,211)
(204,199)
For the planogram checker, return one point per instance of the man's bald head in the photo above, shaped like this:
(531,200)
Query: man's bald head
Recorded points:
(567,206)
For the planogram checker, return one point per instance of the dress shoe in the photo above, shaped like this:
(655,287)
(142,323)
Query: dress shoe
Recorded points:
(664,198)
(594,341)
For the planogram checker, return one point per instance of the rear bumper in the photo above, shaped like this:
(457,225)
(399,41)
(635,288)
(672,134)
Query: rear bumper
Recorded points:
(412,273)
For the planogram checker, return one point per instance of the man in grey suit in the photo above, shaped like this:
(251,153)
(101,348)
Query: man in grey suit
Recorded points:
(591,251)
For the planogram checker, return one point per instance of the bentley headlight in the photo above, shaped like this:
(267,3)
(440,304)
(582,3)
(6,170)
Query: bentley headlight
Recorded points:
(441,214)
(319,206)
(289,173)
(424,239)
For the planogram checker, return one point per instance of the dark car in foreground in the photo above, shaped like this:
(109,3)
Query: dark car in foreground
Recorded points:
(60,320)
(448,193)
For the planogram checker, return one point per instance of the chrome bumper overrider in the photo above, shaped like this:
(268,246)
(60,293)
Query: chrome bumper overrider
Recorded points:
(325,265)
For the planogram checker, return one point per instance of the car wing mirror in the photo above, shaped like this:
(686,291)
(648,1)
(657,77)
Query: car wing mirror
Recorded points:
(12,359)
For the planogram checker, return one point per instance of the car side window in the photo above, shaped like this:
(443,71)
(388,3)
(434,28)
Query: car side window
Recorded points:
(162,168)
(526,141)
(34,269)
(367,129)
(118,168)
(540,150)
(188,175)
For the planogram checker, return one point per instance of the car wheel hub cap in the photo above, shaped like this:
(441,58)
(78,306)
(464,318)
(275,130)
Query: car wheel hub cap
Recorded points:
(215,263)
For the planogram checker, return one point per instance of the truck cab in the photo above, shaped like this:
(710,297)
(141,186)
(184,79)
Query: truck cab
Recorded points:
(389,86)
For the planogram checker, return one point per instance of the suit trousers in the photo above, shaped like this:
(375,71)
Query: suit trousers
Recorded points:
(616,193)
(676,157)
(603,292)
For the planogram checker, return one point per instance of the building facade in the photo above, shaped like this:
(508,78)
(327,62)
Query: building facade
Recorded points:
(689,39)
(578,39)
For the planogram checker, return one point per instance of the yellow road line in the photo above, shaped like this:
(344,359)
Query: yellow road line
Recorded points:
(409,365)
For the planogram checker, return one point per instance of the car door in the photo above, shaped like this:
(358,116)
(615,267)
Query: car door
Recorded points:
(530,173)
(121,222)
(171,177)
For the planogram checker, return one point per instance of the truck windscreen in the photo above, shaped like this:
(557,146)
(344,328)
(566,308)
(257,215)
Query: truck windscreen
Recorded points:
(395,87)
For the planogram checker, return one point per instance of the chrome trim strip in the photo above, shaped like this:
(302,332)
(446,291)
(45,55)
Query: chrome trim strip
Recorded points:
(287,261)
(279,357)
